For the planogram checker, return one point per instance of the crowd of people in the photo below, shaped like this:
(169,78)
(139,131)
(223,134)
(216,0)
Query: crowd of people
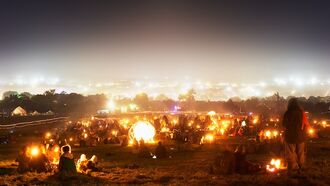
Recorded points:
(181,129)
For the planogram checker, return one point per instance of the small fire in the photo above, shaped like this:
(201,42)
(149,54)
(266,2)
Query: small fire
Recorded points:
(56,149)
(275,165)
(267,134)
(165,129)
(222,131)
(209,138)
(311,132)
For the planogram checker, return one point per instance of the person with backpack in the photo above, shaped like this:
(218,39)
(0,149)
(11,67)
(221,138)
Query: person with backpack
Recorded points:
(295,123)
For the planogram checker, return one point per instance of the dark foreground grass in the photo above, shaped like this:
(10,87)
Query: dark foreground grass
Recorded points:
(120,166)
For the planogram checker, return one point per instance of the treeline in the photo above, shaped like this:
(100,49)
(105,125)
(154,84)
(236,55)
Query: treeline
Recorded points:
(61,104)
(78,105)
(272,105)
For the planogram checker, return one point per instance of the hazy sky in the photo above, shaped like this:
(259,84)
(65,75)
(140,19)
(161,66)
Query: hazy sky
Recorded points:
(237,42)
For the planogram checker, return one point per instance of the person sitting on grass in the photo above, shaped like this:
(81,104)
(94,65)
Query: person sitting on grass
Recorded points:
(92,163)
(242,165)
(66,164)
(160,151)
(82,163)
(144,151)
(23,161)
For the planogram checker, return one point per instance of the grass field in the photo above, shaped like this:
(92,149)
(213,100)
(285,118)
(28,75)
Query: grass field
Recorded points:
(188,167)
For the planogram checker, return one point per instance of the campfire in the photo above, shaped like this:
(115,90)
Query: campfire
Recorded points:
(275,165)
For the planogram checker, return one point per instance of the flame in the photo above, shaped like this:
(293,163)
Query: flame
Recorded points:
(56,149)
(209,138)
(222,131)
(165,129)
(275,165)
(267,134)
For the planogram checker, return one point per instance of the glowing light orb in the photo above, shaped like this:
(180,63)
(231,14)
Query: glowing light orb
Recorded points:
(142,130)
(34,151)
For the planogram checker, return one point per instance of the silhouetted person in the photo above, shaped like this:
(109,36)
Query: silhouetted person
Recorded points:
(23,160)
(67,165)
(295,123)
(144,151)
(242,165)
(160,151)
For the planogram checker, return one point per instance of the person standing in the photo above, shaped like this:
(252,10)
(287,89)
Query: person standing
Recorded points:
(295,123)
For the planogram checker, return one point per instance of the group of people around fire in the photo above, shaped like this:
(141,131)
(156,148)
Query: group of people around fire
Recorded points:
(40,159)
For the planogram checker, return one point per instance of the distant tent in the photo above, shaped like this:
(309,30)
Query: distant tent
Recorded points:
(35,113)
(19,111)
(50,113)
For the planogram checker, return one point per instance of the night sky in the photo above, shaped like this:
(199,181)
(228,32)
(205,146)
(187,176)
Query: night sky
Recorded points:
(229,41)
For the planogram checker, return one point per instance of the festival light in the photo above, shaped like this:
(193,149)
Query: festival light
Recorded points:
(311,132)
(211,113)
(268,134)
(255,120)
(114,132)
(48,135)
(142,130)
(34,151)
(133,107)
(111,105)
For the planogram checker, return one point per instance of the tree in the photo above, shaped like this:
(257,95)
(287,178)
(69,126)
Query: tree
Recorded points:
(142,100)
(9,93)
(188,97)
(162,97)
